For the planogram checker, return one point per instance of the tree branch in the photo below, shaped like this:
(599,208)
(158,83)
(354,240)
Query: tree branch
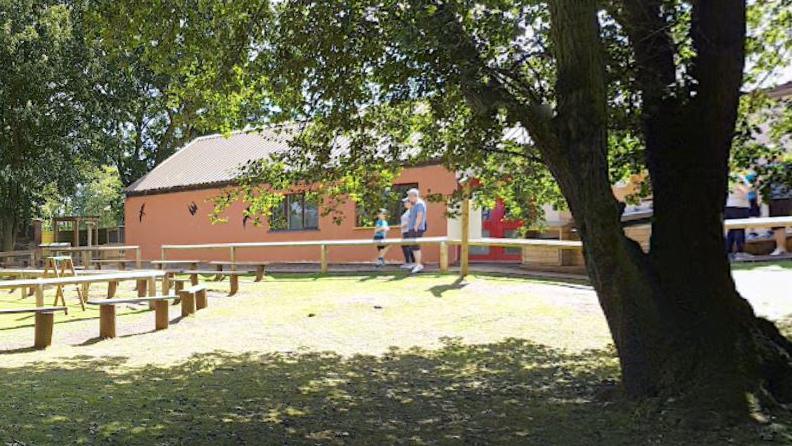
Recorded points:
(653,48)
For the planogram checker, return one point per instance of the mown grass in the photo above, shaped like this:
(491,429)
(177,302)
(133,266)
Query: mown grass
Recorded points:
(355,359)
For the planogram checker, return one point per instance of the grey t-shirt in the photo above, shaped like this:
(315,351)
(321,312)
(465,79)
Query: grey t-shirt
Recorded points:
(419,206)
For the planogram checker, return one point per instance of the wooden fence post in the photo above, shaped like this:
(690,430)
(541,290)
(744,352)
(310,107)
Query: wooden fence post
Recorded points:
(444,257)
(323,259)
(464,260)
(39,295)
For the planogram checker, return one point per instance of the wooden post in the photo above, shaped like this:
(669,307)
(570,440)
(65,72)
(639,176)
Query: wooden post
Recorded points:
(165,285)
(161,315)
(112,287)
(39,295)
(152,290)
(76,232)
(232,257)
(162,253)
(259,273)
(107,321)
(141,287)
(138,258)
(233,280)
(44,325)
(323,259)
(464,260)
(201,301)
(444,257)
(187,303)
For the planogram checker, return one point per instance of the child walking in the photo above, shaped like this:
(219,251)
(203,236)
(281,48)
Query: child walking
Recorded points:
(381,229)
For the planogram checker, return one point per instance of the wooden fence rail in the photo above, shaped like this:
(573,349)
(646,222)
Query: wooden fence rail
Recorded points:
(325,245)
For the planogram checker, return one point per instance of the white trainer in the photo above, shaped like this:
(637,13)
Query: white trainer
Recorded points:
(407,266)
(417,269)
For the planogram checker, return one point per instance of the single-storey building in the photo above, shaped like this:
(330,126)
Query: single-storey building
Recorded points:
(172,203)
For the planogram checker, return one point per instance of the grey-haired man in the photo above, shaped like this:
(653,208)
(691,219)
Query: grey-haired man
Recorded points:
(416,225)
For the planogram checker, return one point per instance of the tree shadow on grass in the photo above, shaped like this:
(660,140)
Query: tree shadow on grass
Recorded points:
(512,392)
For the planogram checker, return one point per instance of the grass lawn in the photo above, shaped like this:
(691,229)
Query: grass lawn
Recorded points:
(351,359)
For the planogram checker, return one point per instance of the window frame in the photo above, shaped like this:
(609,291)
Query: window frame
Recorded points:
(285,209)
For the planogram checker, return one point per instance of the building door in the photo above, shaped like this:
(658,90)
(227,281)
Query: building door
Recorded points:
(494,224)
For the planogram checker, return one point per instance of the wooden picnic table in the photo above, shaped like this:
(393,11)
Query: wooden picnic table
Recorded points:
(147,277)
(759,222)
(86,252)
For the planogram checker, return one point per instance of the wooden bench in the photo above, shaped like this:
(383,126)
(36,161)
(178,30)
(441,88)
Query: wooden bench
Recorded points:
(178,283)
(107,313)
(122,263)
(233,278)
(45,322)
(258,265)
(192,299)
(162,263)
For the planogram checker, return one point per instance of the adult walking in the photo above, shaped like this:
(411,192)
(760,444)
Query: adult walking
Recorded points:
(409,258)
(416,225)
(737,206)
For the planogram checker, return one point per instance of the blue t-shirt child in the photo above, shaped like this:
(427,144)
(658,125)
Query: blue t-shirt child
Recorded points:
(380,229)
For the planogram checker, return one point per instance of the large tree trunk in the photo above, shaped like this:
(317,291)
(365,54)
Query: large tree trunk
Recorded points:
(8,230)
(677,321)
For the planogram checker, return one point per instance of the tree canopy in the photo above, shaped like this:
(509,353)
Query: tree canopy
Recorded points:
(541,101)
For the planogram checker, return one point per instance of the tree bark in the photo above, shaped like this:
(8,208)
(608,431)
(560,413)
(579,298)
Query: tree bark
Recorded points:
(679,326)
(677,321)
(8,230)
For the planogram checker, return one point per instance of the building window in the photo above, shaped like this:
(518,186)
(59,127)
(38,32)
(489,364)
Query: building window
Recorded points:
(391,200)
(296,212)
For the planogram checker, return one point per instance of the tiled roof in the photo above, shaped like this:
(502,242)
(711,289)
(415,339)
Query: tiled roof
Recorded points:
(781,91)
(210,161)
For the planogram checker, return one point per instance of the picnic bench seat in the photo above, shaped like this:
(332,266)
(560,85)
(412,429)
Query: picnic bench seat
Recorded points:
(162,263)
(258,265)
(107,313)
(122,263)
(192,299)
(233,278)
(45,322)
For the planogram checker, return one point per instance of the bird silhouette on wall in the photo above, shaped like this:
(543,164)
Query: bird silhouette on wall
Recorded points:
(142,212)
(245,217)
(193,208)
